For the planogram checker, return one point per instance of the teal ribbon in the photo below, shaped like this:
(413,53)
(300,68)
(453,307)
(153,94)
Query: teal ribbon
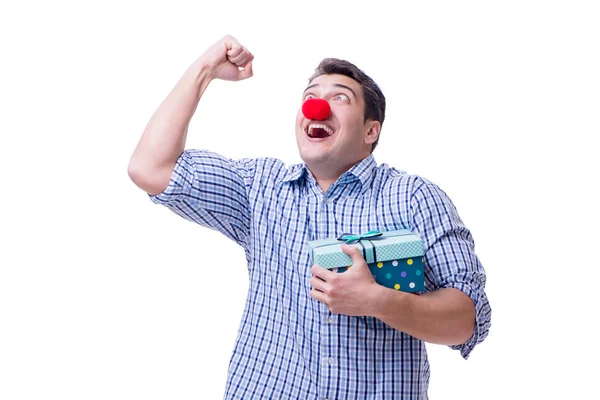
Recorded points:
(351,238)
(368,248)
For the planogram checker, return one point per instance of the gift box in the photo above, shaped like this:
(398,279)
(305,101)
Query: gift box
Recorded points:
(395,258)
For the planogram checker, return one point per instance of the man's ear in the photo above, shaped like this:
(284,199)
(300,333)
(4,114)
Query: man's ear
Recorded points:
(373,129)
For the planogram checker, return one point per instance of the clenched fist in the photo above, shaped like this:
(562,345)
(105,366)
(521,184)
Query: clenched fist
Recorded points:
(228,60)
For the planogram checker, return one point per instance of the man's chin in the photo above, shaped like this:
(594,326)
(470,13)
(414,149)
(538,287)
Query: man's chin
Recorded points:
(314,158)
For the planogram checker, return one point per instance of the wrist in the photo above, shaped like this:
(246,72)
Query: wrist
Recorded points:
(201,72)
(199,75)
(388,304)
(377,301)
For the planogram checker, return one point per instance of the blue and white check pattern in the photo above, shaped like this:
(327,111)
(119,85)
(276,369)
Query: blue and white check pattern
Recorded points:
(290,346)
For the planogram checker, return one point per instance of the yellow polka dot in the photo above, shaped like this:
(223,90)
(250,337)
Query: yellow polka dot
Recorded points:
(397,286)
(409,261)
(379,264)
(349,266)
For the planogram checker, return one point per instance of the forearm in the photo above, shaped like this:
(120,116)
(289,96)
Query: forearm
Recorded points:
(446,316)
(163,139)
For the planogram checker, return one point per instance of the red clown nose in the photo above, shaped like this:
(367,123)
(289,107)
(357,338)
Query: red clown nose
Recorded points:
(316,108)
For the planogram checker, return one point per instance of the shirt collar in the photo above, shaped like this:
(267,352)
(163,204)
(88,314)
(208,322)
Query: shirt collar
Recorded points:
(362,170)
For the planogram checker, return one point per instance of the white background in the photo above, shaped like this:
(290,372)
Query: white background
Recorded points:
(104,295)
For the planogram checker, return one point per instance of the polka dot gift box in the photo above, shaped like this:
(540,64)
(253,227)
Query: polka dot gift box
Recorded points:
(395,258)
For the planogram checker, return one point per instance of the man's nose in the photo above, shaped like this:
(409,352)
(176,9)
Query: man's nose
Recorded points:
(317,109)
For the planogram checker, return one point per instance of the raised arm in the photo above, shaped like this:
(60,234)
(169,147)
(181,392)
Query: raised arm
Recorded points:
(152,162)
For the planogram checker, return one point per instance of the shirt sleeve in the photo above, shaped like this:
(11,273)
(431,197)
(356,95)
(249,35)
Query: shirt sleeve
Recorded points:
(450,259)
(211,190)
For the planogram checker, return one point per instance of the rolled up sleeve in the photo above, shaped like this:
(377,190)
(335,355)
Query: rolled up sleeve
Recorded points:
(450,259)
(211,190)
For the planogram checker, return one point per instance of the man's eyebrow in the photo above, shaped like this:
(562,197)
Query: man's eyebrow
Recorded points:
(311,86)
(335,84)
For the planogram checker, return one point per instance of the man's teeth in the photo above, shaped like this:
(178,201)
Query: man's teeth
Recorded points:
(316,126)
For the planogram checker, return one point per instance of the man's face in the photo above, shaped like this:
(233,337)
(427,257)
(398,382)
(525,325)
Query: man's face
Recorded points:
(342,139)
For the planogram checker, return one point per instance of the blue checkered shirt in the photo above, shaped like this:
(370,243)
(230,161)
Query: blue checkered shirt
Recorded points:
(290,346)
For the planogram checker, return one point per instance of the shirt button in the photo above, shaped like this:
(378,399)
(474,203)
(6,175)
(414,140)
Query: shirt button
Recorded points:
(326,201)
(330,360)
(330,321)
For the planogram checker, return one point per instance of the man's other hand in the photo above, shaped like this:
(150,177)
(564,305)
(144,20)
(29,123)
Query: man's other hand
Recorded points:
(228,60)
(352,293)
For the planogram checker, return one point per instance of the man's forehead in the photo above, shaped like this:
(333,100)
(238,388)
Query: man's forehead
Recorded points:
(334,80)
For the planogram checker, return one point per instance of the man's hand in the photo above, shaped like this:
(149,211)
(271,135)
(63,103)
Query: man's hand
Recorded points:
(352,293)
(228,60)
(153,160)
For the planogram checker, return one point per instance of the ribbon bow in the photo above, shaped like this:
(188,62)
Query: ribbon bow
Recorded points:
(351,238)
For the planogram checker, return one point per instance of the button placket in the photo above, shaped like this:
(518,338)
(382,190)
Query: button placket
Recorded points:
(329,373)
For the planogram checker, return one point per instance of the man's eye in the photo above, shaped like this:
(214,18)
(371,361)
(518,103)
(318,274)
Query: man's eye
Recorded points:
(341,97)
(308,96)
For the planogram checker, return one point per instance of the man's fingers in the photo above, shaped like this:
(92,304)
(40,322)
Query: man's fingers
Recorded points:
(319,296)
(318,283)
(242,58)
(234,50)
(354,253)
(246,72)
(230,43)
(229,60)
(350,250)
(245,60)
(239,55)
(322,273)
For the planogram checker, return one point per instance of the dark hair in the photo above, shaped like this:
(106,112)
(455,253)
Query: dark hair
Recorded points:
(374,98)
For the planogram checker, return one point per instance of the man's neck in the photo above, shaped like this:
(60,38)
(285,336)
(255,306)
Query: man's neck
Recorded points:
(327,176)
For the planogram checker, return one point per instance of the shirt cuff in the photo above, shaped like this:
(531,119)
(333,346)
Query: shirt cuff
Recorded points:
(482,318)
(180,182)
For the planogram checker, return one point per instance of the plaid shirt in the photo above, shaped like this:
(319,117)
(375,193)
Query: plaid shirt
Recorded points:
(290,346)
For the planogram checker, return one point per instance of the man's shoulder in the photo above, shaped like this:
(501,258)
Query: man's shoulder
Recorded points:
(271,170)
(263,165)
(397,181)
(276,166)
(392,177)
(413,187)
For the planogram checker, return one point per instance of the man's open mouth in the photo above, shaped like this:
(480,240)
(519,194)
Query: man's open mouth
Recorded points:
(319,131)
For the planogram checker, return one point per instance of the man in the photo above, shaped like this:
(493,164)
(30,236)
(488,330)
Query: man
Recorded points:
(307,332)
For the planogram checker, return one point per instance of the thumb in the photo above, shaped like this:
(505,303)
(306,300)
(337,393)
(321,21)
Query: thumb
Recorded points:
(357,258)
(246,72)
